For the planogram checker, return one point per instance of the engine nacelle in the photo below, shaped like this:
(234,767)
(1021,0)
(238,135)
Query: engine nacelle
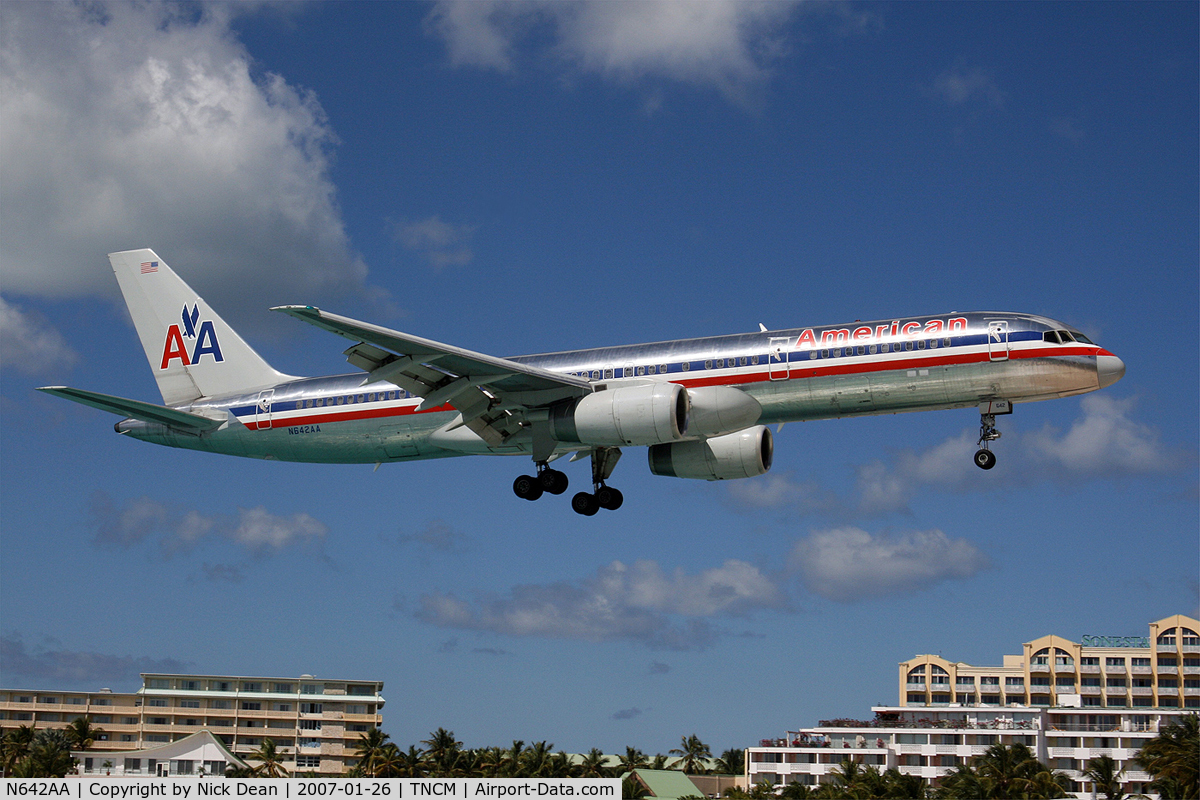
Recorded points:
(717,410)
(650,413)
(736,455)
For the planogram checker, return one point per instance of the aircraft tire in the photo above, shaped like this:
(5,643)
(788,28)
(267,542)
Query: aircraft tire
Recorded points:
(554,481)
(586,504)
(609,498)
(527,487)
(985,459)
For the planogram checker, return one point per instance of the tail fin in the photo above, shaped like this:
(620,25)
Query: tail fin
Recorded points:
(192,351)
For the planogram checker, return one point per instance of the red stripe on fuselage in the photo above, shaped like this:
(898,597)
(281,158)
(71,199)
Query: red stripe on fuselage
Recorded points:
(760,375)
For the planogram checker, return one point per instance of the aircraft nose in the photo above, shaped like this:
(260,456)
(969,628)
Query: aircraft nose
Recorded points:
(1110,369)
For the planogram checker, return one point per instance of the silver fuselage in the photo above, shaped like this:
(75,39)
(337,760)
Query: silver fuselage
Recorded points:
(882,367)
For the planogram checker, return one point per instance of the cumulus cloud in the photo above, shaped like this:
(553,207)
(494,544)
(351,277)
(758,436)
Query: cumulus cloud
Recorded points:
(174,529)
(1104,441)
(48,665)
(725,45)
(848,564)
(30,345)
(637,602)
(776,490)
(142,124)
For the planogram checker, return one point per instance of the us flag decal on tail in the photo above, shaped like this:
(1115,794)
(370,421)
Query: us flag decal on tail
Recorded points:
(149,266)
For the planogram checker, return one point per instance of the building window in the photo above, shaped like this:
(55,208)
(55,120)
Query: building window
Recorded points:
(308,762)
(189,703)
(282,688)
(251,686)
(157,702)
(189,686)
(310,708)
(249,706)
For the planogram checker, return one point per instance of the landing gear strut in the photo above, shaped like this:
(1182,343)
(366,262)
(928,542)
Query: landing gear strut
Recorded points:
(984,457)
(602,496)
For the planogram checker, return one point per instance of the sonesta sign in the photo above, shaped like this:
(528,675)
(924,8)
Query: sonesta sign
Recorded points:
(1115,641)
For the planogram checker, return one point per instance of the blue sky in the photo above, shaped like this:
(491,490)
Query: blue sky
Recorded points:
(517,178)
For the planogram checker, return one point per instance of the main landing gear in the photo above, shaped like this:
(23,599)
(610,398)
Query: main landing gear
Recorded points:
(531,487)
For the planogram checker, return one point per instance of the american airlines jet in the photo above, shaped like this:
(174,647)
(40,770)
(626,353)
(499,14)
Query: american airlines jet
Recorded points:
(701,407)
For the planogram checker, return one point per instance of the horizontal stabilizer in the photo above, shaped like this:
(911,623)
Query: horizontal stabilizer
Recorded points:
(147,412)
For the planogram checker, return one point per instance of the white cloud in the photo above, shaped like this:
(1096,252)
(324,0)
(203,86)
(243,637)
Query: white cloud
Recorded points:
(848,564)
(440,243)
(776,490)
(961,85)
(134,125)
(726,45)
(1104,441)
(29,344)
(636,602)
(175,529)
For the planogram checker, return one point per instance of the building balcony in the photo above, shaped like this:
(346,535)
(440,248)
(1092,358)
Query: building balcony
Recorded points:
(1191,691)
(1114,669)
(1170,691)
(1139,670)
(1142,691)
(1090,669)
(1168,670)
(1037,669)
(1089,690)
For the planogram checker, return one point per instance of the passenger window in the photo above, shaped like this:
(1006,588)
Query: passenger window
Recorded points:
(708,363)
(933,343)
(686,366)
(873,349)
(640,371)
(608,373)
(885,348)
(596,374)
(921,345)
(813,354)
(824,354)
(946,342)
(754,360)
(662,369)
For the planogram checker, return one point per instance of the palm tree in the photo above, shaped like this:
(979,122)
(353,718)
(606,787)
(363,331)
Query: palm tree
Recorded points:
(1173,759)
(731,762)
(49,756)
(16,747)
(535,761)
(901,785)
(633,759)
(271,760)
(370,749)
(692,753)
(594,765)
(1006,770)
(1049,784)
(1105,777)
(442,753)
(81,734)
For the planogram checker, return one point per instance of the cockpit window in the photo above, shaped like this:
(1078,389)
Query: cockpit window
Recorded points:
(1051,337)
(1066,336)
(1079,337)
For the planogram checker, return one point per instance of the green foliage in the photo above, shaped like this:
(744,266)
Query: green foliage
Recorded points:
(1173,759)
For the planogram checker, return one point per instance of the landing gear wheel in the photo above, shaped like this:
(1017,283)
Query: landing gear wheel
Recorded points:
(527,487)
(985,459)
(553,481)
(586,504)
(609,498)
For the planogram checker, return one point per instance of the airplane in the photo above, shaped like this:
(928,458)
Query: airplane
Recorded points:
(701,406)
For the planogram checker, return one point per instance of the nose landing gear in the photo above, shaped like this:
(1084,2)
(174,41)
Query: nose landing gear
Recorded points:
(984,457)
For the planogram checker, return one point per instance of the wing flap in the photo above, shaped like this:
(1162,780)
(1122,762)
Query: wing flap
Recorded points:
(147,412)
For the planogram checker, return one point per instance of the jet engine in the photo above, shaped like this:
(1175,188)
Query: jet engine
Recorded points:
(717,410)
(735,455)
(630,415)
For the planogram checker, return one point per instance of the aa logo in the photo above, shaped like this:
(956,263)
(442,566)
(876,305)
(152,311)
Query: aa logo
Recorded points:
(204,340)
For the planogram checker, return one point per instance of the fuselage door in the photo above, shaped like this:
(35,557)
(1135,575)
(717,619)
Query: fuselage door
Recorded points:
(262,409)
(778,358)
(998,340)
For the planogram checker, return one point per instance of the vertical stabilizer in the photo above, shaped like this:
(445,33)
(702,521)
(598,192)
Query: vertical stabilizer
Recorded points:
(192,351)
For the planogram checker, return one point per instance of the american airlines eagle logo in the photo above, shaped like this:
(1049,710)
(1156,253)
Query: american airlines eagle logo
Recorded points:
(202,335)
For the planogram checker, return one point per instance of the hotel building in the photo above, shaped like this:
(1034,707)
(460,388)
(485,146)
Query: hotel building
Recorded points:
(1067,701)
(316,723)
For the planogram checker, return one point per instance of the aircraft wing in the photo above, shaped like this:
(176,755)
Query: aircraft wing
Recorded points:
(147,412)
(493,394)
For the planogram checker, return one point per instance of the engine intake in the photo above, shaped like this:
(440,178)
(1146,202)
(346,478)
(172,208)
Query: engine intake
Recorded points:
(736,455)
(629,415)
